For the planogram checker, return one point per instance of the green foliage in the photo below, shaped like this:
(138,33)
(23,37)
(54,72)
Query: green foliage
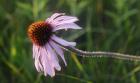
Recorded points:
(108,25)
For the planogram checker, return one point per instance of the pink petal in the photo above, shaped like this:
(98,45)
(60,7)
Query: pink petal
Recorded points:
(47,65)
(38,63)
(55,15)
(36,56)
(66,26)
(54,59)
(58,50)
(35,50)
(62,41)
(64,19)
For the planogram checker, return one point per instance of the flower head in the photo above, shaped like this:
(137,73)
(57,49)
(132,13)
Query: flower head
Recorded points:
(46,45)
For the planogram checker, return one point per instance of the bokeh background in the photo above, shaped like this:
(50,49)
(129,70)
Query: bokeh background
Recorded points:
(108,25)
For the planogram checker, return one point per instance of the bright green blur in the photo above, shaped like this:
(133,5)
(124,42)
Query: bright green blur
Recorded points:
(108,25)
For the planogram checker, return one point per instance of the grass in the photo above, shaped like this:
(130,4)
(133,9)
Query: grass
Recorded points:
(108,25)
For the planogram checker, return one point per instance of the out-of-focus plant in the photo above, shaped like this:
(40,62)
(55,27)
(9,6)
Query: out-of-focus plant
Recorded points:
(110,25)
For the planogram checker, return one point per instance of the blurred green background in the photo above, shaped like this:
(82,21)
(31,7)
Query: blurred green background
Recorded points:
(108,25)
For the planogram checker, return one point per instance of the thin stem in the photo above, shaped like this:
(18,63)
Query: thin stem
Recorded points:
(100,53)
(103,54)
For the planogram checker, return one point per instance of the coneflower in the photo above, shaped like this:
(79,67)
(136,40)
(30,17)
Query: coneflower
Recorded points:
(46,46)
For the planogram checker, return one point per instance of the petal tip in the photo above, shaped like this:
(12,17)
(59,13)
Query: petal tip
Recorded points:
(53,74)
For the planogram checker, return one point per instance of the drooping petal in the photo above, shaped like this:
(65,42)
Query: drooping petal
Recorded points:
(65,19)
(35,50)
(55,15)
(62,41)
(36,56)
(58,50)
(38,63)
(66,26)
(54,58)
(46,62)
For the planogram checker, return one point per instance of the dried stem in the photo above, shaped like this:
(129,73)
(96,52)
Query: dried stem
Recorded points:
(101,54)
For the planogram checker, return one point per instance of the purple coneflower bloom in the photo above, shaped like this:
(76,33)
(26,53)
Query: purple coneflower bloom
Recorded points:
(46,45)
